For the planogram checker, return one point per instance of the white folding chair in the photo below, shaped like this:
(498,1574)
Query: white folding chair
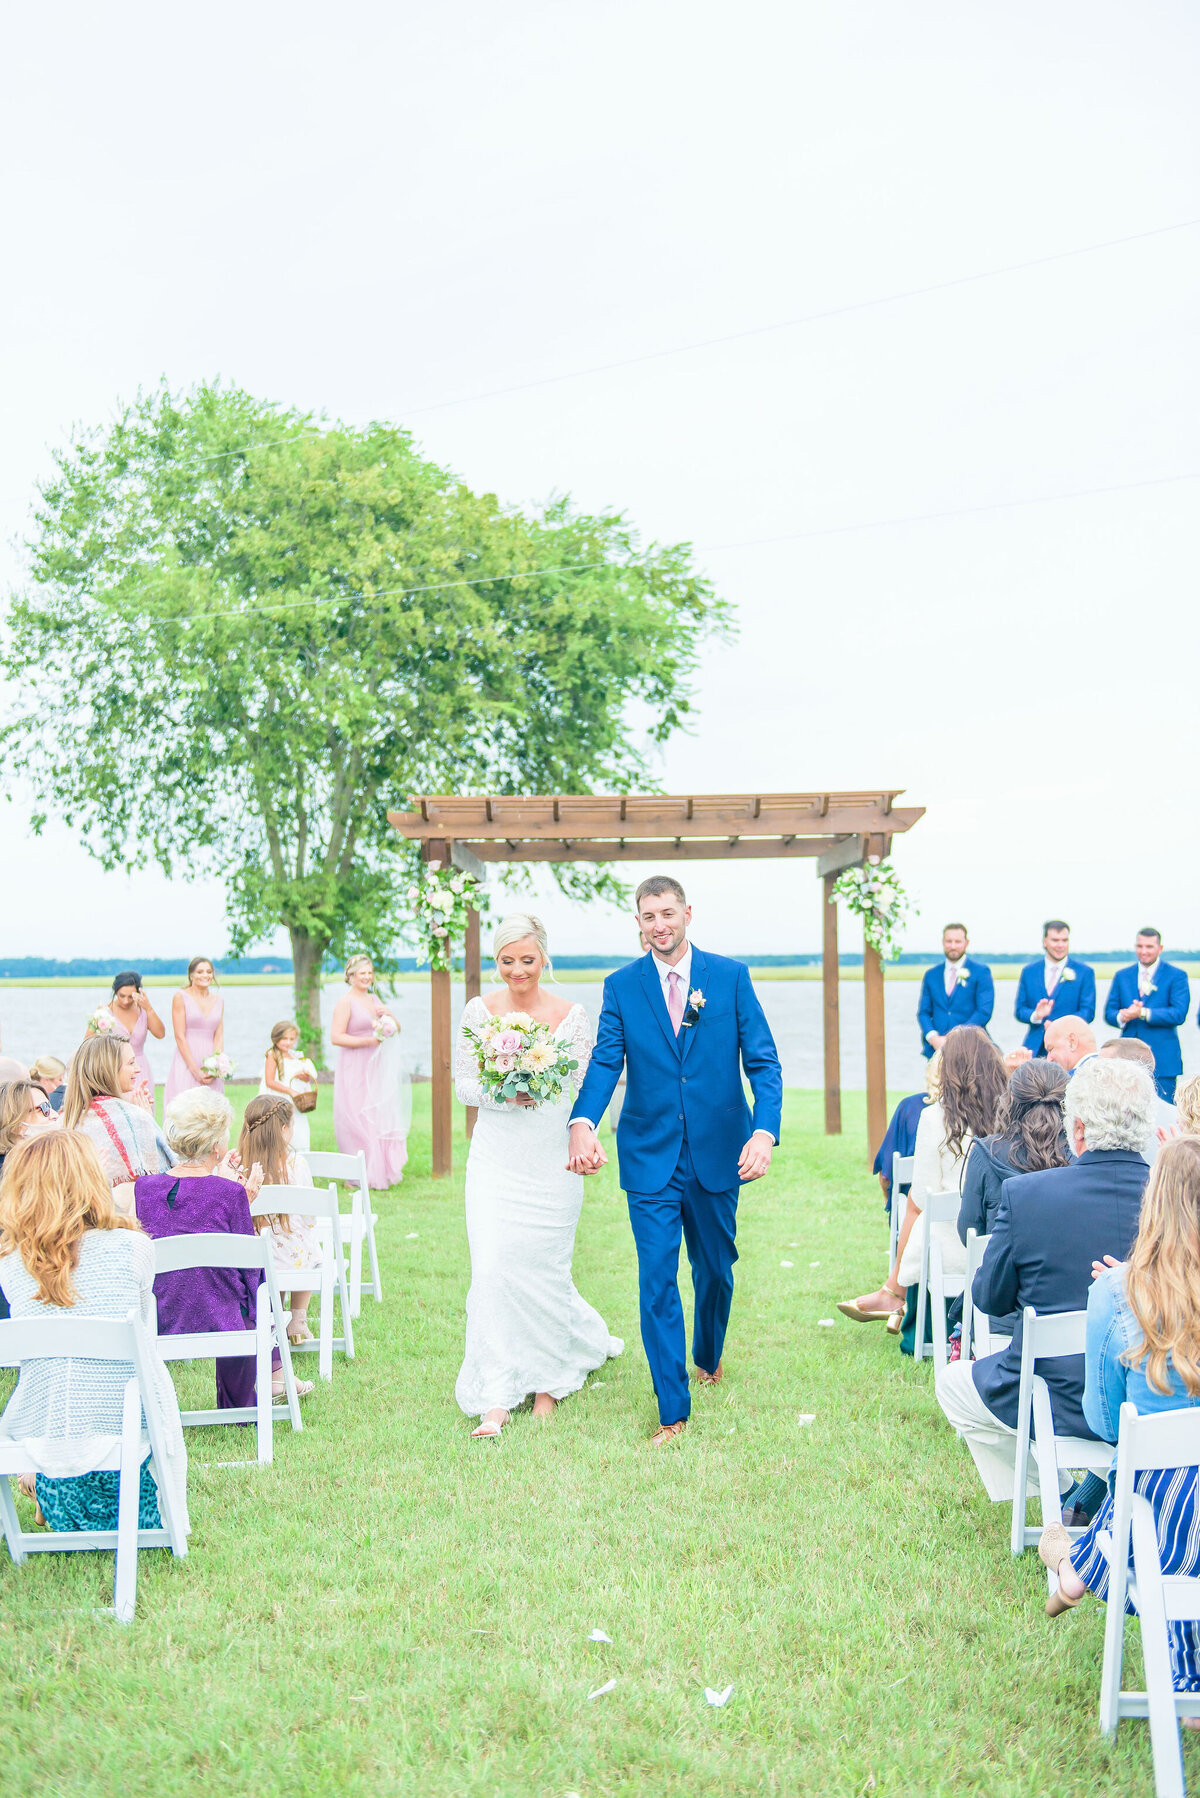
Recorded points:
(1053,1333)
(358,1223)
(1165,1439)
(939,1208)
(942,1286)
(96,1339)
(902,1173)
(977,1331)
(321,1204)
(177,1254)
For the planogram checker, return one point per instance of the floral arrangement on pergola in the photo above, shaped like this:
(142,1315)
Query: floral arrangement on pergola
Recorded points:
(840,831)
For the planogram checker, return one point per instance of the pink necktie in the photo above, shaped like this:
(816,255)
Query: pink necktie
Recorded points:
(675,999)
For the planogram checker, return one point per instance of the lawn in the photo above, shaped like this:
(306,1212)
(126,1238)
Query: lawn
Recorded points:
(393,1608)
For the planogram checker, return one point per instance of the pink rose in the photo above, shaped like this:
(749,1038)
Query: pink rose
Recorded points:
(508,1042)
(504,1064)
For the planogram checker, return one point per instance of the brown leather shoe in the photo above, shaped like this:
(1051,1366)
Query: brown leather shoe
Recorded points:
(667,1432)
(710,1379)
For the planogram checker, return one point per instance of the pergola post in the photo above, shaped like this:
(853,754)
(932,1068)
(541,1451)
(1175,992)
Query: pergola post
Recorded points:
(876,1054)
(436,849)
(829,988)
(473,980)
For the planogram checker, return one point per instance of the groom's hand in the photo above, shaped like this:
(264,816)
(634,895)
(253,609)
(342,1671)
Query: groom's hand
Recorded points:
(584,1154)
(755,1158)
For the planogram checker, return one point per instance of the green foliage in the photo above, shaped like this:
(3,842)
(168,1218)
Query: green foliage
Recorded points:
(248,633)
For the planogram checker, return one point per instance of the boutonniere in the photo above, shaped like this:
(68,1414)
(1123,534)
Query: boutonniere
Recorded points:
(695,1005)
(1067,974)
(1148,991)
(961,978)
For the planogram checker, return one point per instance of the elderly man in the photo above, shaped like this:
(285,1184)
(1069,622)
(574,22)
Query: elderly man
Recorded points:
(1166,1118)
(1070,1042)
(1050,1228)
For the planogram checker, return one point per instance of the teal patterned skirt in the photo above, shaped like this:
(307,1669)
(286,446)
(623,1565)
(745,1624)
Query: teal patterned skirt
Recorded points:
(89,1501)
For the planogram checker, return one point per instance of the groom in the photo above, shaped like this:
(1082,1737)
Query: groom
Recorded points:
(677,1021)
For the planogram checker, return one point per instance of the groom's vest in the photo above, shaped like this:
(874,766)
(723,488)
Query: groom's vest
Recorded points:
(686,1086)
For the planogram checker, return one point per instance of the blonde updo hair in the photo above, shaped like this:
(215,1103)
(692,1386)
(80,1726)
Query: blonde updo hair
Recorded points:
(515,928)
(197,1123)
(356,962)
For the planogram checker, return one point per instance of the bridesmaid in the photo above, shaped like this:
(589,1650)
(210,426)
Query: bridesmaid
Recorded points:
(367,1111)
(199,1026)
(130,1006)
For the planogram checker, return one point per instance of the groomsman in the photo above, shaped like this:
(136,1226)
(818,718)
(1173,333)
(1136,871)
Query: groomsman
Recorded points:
(1058,986)
(957,992)
(1150,1001)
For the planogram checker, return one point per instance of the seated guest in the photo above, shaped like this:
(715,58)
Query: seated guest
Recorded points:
(1069,1042)
(24,1111)
(1166,1117)
(955,993)
(266,1139)
(964,1105)
(1050,1228)
(103,1073)
(1143,1348)
(199,1196)
(1030,1136)
(12,1069)
(49,1073)
(1187,1105)
(1150,1001)
(1055,986)
(64,1251)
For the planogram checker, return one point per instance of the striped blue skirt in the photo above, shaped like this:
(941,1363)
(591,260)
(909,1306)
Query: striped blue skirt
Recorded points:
(1172,1493)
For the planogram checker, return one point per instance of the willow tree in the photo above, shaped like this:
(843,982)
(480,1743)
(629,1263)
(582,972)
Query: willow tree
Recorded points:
(246,633)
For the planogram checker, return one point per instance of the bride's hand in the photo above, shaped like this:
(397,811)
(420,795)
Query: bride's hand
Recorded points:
(520,1099)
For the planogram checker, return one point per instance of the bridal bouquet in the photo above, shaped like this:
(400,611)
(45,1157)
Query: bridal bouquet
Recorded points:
(102,1022)
(219,1066)
(385,1026)
(517,1055)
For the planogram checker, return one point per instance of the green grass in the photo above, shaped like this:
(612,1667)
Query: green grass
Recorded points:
(392,1608)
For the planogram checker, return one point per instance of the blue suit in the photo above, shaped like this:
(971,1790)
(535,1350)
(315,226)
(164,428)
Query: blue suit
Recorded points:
(1168,1006)
(900,1138)
(972,1002)
(1074,996)
(1049,1229)
(683,1126)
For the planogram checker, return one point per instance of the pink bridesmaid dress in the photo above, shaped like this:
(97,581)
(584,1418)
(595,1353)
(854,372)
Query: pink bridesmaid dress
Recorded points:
(138,1041)
(199,1031)
(367,1112)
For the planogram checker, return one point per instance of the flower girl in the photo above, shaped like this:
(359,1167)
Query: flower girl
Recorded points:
(289,1074)
(267,1138)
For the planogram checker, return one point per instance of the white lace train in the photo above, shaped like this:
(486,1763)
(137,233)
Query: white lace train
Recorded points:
(528,1330)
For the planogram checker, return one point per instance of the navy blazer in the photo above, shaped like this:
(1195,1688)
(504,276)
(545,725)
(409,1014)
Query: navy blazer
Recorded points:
(1074,996)
(971,1002)
(1168,1006)
(686,1085)
(1049,1229)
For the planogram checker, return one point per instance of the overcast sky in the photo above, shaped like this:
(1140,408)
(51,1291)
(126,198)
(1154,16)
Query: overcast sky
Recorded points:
(386,211)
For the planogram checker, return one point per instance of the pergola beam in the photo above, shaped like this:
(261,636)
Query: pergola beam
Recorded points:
(664,849)
(770,816)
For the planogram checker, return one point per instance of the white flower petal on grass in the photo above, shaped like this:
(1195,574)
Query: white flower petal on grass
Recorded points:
(611,1686)
(731,1429)
(806,1417)
(787,1264)
(718,1699)
(592,1384)
(824,1323)
(411,1234)
(598,1635)
(814,1264)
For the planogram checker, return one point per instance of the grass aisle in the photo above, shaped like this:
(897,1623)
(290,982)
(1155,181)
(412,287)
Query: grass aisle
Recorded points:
(392,1608)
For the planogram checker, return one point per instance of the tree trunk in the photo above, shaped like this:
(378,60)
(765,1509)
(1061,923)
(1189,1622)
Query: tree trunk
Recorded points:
(308,952)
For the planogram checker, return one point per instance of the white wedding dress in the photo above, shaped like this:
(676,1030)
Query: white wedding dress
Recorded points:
(528,1330)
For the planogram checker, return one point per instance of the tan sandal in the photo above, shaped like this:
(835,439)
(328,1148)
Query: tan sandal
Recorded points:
(298,1335)
(868,1314)
(1054,1547)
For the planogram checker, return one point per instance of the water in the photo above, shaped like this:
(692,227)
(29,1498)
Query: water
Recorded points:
(37,1020)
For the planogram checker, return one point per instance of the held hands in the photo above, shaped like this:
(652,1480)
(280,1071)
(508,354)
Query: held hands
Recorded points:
(755,1158)
(1042,1010)
(584,1154)
(1128,1013)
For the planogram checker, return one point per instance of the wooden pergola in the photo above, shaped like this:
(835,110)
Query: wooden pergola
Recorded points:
(837,830)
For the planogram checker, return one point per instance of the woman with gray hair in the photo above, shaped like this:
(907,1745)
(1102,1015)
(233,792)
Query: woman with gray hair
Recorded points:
(528,1330)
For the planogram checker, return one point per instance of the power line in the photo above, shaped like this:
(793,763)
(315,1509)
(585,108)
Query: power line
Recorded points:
(833,530)
(742,335)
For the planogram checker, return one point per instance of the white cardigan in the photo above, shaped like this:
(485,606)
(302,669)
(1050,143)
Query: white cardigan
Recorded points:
(935,1169)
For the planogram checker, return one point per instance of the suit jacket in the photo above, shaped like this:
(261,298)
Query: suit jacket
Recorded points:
(686,1086)
(1075,995)
(1168,1005)
(971,1002)
(1049,1229)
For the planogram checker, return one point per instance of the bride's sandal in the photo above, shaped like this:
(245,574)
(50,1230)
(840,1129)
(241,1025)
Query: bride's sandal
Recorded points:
(491,1427)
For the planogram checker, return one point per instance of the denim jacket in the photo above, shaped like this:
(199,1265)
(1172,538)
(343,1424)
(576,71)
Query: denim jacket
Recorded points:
(1110,1382)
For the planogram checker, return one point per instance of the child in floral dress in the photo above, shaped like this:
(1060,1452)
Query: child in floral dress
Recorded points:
(295,1249)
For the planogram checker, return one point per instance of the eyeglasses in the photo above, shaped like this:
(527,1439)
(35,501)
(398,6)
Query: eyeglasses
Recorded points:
(45,1107)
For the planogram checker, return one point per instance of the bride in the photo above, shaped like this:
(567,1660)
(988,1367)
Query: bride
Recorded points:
(528,1330)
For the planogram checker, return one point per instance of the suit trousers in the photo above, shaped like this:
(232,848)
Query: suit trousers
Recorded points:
(707,1222)
(1164,1085)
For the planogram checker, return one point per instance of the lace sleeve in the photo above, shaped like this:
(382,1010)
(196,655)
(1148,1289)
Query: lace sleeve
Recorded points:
(467,1085)
(577,1033)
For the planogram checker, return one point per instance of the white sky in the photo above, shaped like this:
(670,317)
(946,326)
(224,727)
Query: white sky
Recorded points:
(398,206)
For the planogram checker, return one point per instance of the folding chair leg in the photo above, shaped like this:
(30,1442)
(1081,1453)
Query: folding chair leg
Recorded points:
(358,1231)
(325,1339)
(922,1294)
(12,1526)
(1114,1650)
(347,1318)
(263,1397)
(376,1280)
(125,1572)
(1156,1657)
